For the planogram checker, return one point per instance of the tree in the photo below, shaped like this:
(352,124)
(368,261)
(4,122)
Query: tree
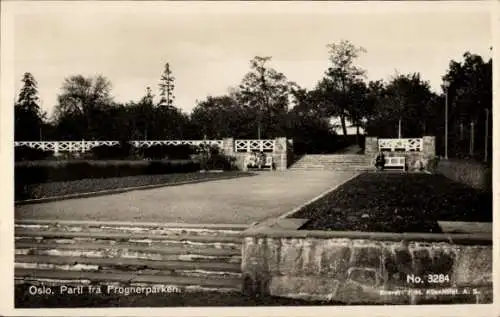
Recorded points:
(309,128)
(217,117)
(339,78)
(407,98)
(469,95)
(265,91)
(29,118)
(359,108)
(144,115)
(167,87)
(82,100)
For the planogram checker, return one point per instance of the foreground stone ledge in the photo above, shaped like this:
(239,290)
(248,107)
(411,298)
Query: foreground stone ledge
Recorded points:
(362,267)
(457,238)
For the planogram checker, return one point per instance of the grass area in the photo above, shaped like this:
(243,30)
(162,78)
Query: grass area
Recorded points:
(54,189)
(397,202)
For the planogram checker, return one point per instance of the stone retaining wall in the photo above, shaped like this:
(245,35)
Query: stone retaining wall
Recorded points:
(467,172)
(280,155)
(415,161)
(360,270)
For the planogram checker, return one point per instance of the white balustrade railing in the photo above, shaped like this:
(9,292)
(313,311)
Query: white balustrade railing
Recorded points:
(267,145)
(408,145)
(84,146)
(254,145)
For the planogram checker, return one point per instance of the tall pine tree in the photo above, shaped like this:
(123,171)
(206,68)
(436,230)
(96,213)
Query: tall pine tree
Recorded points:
(167,87)
(27,113)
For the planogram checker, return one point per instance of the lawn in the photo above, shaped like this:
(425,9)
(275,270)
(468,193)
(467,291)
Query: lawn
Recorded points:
(397,202)
(54,189)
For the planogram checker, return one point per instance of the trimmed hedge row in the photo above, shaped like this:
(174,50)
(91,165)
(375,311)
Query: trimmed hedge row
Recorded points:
(26,153)
(37,172)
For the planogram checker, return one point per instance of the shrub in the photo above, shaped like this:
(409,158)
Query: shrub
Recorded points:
(432,164)
(26,153)
(175,152)
(211,158)
(116,152)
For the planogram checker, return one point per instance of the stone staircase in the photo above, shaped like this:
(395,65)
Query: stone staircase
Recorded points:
(182,257)
(336,162)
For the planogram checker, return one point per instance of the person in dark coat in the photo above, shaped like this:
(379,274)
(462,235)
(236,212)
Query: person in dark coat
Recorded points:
(262,159)
(380,161)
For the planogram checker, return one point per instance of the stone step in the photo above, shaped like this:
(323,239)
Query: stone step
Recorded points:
(336,159)
(128,250)
(78,278)
(331,164)
(121,236)
(71,263)
(340,168)
(151,229)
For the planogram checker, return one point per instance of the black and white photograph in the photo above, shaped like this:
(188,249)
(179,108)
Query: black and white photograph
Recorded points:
(240,155)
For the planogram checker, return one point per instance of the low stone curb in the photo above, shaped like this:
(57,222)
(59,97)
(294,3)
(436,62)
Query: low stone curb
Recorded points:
(118,191)
(165,225)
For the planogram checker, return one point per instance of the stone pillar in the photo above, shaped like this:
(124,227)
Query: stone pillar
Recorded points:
(228,146)
(371,145)
(429,146)
(280,153)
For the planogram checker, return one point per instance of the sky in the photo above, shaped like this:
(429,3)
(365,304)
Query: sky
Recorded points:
(209,45)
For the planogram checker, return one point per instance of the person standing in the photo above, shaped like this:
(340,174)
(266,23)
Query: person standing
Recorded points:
(380,161)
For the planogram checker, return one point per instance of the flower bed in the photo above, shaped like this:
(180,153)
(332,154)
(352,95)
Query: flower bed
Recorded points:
(396,202)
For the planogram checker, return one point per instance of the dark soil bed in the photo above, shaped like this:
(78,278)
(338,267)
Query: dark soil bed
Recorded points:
(397,202)
(54,189)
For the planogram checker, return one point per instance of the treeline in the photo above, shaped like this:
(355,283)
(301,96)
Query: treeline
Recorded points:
(266,104)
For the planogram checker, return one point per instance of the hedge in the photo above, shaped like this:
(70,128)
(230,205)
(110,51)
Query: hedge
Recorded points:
(104,152)
(52,171)
(176,152)
(26,153)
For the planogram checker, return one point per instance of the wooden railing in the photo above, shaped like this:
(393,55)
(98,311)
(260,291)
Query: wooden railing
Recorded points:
(407,145)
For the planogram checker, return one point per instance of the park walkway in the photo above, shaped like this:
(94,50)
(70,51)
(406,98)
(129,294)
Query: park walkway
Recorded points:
(235,201)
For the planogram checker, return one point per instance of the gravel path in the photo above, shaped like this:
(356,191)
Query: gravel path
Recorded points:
(234,201)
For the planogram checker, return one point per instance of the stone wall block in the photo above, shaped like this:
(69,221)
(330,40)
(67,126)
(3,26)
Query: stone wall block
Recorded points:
(273,255)
(443,259)
(310,263)
(371,145)
(397,262)
(365,276)
(334,259)
(291,261)
(473,266)
(253,251)
(422,261)
(429,146)
(310,287)
(365,256)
